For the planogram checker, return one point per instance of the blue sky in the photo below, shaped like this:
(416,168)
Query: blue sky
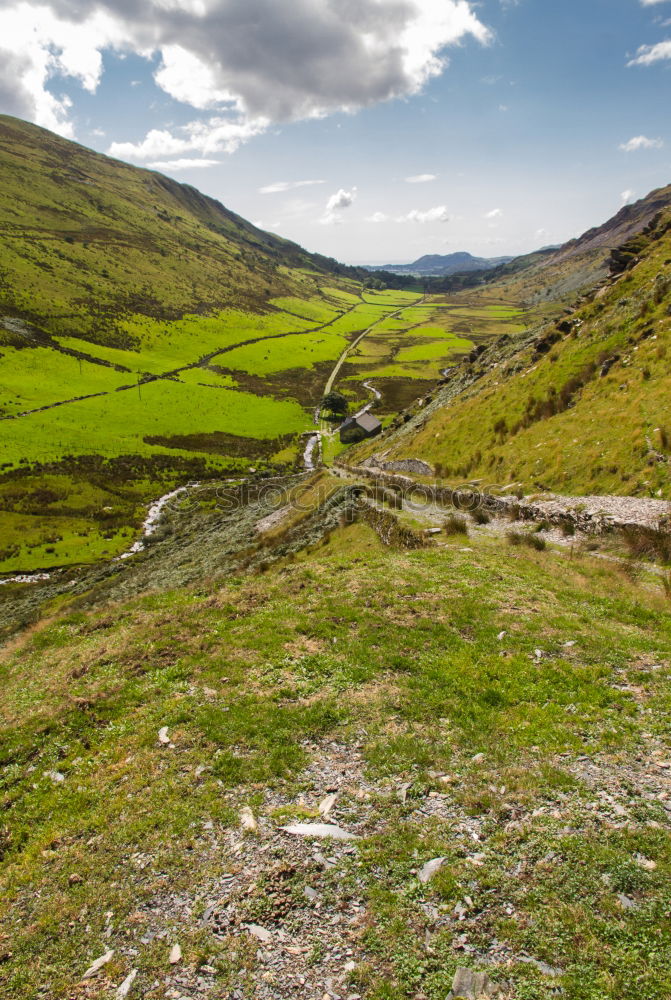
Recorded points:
(369,130)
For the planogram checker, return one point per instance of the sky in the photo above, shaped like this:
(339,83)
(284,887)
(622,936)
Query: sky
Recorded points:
(373,131)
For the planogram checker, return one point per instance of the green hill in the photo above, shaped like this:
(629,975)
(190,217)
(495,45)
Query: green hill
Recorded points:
(490,721)
(87,240)
(578,404)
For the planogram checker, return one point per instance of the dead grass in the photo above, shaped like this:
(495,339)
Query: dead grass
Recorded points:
(455,525)
(648,543)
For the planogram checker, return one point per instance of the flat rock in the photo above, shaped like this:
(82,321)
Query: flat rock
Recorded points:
(126,985)
(260,933)
(430,869)
(163,736)
(248,820)
(327,805)
(98,964)
(319,830)
(471,985)
(175,955)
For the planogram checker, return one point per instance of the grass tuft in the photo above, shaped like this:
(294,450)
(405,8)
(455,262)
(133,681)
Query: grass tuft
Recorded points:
(455,525)
(530,541)
(648,543)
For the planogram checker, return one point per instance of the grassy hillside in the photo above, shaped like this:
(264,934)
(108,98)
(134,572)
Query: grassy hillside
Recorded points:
(503,710)
(87,241)
(579,406)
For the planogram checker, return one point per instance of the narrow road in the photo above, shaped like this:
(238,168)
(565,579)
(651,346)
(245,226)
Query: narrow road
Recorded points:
(355,343)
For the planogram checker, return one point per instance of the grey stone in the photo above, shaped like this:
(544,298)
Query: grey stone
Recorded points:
(471,985)
(430,869)
(126,985)
(98,964)
(260,933)
(319,830)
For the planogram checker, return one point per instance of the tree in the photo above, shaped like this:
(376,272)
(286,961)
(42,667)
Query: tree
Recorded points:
(335,402)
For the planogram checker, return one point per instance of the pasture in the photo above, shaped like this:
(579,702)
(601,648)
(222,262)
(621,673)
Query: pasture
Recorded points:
(167,400)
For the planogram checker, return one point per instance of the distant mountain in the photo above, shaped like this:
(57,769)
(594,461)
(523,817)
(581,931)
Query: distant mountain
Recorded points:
(435,265)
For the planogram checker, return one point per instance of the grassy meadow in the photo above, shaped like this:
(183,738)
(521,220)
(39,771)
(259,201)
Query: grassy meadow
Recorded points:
(503,710)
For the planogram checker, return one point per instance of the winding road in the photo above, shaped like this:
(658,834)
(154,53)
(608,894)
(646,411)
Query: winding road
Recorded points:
(345,354)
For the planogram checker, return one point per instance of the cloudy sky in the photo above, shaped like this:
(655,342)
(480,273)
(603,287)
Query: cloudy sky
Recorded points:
(370,130)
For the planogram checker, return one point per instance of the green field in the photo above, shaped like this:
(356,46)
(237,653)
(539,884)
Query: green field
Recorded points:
(183,390)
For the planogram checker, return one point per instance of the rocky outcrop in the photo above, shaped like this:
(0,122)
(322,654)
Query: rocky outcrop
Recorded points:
(597,515)
(414,466)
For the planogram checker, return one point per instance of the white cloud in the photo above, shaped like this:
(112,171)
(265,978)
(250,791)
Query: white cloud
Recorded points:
(421,178)
(218,135)
(438,214)
(627,196)
(495,213)
(651,3)
(187,163)
(338,203)
(250,62)
(279,187)
(641,142)
(649,54)
(187,78)
(37,46)
(377,217)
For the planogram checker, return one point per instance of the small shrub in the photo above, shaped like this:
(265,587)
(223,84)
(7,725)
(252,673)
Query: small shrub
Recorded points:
(455,525)
(567,528)
(531,541)
(513,512)
(648,543)
(543,526)
(480,516)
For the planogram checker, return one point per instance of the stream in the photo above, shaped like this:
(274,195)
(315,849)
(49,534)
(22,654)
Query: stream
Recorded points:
(311,446)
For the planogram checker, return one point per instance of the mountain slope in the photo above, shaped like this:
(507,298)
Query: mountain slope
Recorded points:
(138,318)
(559,273)
(84,238)
(580,405)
